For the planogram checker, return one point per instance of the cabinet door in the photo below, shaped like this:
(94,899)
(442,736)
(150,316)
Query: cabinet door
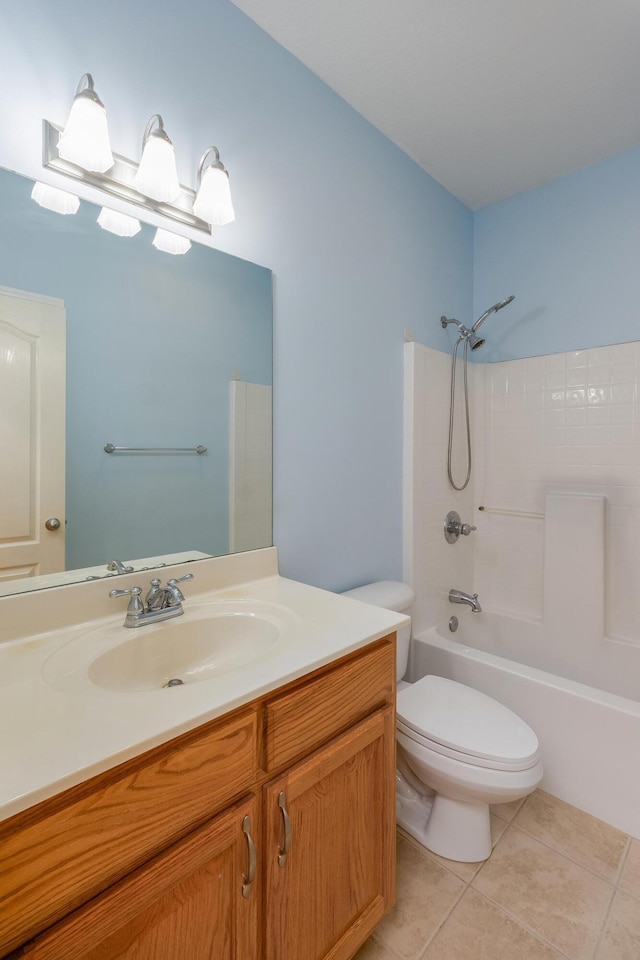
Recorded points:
(192,902)
(330,845)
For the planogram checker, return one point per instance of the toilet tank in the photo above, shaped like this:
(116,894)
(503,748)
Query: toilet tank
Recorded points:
(392,595)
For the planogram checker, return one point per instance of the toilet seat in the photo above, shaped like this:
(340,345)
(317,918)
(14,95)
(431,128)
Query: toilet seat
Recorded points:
(459,722)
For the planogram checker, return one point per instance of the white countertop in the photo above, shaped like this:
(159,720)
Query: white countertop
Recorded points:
(52,738)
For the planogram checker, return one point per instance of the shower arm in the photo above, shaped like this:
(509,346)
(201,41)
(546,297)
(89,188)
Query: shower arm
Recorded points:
(464,331)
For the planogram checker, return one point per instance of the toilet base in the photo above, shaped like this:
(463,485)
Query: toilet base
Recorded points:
(459,830)
(412,814)
(454,829)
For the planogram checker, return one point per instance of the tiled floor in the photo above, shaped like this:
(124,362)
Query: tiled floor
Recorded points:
(559,885)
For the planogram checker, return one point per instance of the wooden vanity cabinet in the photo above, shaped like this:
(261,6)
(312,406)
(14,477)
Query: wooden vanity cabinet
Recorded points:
(330,846)
(186,903)
(300,867)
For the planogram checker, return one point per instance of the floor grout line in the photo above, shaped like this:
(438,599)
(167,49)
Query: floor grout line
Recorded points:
(623,861)
(468,882)
(612,892)
(444,921)
(525,926)
(603,926)
(566,856)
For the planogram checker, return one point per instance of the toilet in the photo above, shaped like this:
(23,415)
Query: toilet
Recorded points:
(458,750)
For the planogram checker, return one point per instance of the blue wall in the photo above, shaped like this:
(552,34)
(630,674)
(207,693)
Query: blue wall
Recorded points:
(570,252)
(360,239)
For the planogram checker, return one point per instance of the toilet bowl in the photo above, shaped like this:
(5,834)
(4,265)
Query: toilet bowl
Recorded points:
(458,751)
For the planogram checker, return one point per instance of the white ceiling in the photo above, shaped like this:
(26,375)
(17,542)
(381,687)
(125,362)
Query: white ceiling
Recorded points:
(491,97)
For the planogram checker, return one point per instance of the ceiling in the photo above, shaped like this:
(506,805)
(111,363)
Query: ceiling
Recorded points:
(491,97)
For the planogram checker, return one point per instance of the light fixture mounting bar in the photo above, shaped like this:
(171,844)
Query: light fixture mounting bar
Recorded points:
(118,181)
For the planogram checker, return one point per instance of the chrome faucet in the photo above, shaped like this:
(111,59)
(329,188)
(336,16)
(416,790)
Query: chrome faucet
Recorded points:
(459,596)
(160,603)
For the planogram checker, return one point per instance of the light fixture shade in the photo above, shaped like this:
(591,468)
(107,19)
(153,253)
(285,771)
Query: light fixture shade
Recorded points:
(85,139)
(54,199)
(119,223)
(157,176)
(213,201)
(170,242)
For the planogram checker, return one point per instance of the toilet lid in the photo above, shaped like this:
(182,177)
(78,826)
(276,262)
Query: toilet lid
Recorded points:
(466,721)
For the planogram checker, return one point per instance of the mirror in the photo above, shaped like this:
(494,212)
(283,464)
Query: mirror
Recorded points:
(162,352)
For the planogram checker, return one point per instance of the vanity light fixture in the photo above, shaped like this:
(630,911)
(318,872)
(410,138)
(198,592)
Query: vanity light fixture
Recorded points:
(119,223)
(85,139)
(213,201)
(152,184)
(157,176)
(54,199)
(170,242)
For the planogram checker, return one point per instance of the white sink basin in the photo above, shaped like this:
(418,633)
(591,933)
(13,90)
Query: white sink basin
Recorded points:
(209,640)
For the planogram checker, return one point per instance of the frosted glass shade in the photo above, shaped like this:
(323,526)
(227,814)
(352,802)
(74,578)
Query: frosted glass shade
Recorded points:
(85,139)
(170,242)
(119,223)
(157,176)
(213,202)
(54,199)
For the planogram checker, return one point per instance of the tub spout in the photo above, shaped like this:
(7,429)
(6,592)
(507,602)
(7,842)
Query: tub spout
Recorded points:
(459,596)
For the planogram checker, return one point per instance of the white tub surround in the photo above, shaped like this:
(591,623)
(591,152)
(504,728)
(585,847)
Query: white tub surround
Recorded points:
(566,423)
(552,561)
(430,564)
(555,496)
(51,740)
(563,424)
(573,565)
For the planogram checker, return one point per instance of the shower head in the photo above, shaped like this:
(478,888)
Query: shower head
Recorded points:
(487,313)
(476,342)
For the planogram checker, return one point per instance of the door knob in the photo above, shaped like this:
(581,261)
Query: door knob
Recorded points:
(52,523)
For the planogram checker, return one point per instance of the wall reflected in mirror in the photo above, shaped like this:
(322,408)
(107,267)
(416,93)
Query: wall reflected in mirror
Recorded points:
(161,352)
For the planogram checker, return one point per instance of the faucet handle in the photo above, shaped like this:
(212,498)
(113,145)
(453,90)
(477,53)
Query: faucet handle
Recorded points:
(454,527)
(174,590)
(187,576)
(135,604)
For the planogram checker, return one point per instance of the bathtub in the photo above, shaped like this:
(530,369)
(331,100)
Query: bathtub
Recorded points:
(590,738)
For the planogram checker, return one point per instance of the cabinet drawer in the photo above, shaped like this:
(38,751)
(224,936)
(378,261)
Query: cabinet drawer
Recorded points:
(314,712)
(58,855)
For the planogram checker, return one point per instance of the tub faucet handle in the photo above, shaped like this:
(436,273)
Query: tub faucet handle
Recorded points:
(454,527)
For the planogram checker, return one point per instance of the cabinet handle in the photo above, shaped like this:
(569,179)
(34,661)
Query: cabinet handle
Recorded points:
(284,849)
(251,874)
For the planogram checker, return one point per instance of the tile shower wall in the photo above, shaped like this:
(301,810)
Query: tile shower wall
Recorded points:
(432,565)
(568,423)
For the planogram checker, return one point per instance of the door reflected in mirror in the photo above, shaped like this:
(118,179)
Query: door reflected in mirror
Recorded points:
(163,354)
